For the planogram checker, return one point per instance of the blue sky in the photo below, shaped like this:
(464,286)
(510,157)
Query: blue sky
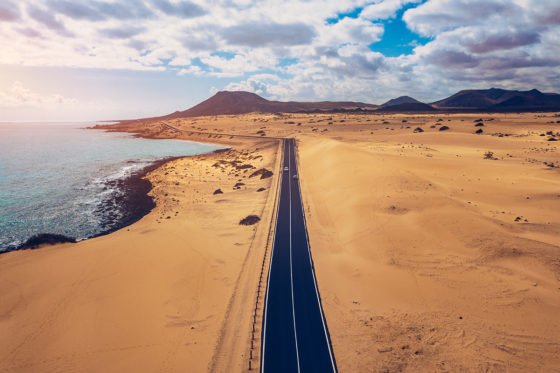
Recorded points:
(397,38)
(107,59)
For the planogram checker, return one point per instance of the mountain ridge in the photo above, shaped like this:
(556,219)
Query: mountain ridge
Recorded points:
(472,100)
(496,99)
(242,102)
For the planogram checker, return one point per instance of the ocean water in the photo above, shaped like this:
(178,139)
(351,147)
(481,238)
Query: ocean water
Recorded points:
(60,178)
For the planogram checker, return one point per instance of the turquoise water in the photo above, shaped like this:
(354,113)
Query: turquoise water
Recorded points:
(54,178)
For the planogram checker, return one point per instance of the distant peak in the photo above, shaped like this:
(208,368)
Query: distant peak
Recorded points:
(401,100)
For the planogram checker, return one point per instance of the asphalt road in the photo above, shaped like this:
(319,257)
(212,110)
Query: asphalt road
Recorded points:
(295,336)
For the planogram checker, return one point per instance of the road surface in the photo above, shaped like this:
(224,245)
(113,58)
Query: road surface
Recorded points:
(295,336)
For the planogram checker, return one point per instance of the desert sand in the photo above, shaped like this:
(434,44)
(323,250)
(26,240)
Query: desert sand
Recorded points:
(434,251)
(152,297)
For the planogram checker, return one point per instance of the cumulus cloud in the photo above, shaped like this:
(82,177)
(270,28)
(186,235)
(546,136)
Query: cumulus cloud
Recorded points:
(264,34)
(95,10)
(20,96)
(500,40)
(182,9)
(435,17)
(9,11)
(258,83)
(122,32)
(293,49)
(382,9)
(46,18)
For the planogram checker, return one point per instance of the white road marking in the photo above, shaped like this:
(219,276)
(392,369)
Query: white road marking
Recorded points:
(291,274)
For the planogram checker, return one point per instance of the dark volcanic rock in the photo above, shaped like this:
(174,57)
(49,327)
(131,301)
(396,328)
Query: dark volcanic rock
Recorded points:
(418,129)
(244,166)
(250,220)
(443,128)
(45,239)
(263,172)
(218,191)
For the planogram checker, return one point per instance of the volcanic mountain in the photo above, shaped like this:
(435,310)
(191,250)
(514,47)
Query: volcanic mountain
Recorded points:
(401,100)
(239,102)
(495,99)
(404,104)
(407,107)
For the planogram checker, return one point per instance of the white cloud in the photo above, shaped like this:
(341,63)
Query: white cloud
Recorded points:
(382,9)
(19,96)
(475,43)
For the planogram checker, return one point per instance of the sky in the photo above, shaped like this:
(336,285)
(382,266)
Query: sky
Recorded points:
(66,60)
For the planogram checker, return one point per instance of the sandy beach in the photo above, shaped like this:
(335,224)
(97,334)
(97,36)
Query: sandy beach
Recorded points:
(153,296)
(434,250)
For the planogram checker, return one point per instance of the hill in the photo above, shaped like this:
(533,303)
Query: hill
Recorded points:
(239,102)
(495,99)
(401,100)
(409,107)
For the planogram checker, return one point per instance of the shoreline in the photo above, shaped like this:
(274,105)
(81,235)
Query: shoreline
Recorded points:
(131,198)
(173,290)
(135,202)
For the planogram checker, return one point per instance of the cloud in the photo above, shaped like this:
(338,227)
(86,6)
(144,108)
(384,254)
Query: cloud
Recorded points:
(94,10)
(182,9)
(545,12)
(199,39)
(246,43)
(435,17)
(9,11)
(19,96)
(350,31)
(384,9)
(258,84)
(483,43)
(29,32)
(46,18)
(264,34)
(122,32)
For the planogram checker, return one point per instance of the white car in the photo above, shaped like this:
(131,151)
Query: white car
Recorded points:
(286,169)
(295,176)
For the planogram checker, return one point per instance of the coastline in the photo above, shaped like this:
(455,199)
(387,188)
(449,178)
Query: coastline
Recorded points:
(153,296)
(128,203)
(134,201)
(393,232)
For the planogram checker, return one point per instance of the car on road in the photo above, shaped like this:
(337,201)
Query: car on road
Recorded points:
(295,176)
(286,169)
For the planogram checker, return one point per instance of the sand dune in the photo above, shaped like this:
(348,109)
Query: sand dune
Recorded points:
(421,262)
(435,250)
(431,253)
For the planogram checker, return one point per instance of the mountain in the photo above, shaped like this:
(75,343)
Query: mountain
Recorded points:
(407,107)
(401,100)
(239,102)
(496,99)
